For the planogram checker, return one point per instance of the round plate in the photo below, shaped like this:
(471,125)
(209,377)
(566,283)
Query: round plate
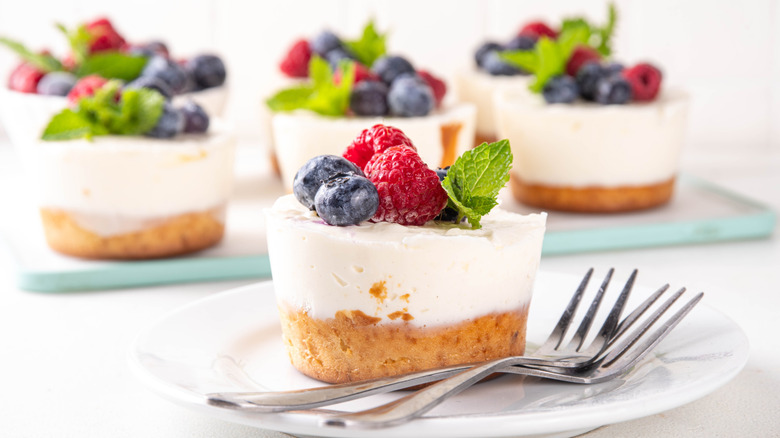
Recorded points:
(232,342)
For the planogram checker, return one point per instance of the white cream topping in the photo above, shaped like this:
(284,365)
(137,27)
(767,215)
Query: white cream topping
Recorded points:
(302,135)
(437,273)
(134,178)
(587,144)
(477,87)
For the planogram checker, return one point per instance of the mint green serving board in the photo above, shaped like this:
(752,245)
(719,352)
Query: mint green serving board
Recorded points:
(700,212)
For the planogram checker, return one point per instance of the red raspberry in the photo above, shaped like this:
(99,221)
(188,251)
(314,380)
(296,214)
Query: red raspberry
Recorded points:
(362,73)
(104,36)
(579,57)
(373,141)
(409,192)
(538,29)
(25,78)
(296,62)
(85,87)
(645,81)
(437,85)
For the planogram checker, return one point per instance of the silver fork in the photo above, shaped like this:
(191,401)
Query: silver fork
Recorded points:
(553,354)
(609,366)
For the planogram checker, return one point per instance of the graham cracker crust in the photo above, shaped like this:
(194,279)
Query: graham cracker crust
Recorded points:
(481,137)
(177,235)
(354,346)
(592,199)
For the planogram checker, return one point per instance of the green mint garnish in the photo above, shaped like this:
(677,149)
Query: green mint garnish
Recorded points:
(370,46)
(135,113)
(43,62)
(112,65)
(321,95)
(474,180)
(78,39)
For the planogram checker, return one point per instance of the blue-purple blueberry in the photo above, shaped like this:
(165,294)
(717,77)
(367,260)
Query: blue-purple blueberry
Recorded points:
(390,67)
(409,97)
(56,83)
(315,172)
(196,121)
(369,98)
(346,200)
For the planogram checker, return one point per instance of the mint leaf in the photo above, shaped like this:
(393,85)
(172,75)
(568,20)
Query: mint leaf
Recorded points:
(527,60)
(67,125)
(112,65)
(319,72)
(322,96)
(290,99)
(604,34)
(43,62)
(476,177)
(370,47)
(79,40)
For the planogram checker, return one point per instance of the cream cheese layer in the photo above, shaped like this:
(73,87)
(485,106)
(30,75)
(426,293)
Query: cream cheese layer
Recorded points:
(477,87)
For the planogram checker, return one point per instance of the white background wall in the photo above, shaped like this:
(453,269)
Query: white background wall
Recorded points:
(725,52)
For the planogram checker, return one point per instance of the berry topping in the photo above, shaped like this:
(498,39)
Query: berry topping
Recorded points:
(362,73)
(168,71)
(560,89)
(150,49)
(56,83)
(493,64)
(409,192)
(104,36)
(336,56)
(645,81)
(170,123)
(613,68)
(483,50)
(522,42)
(578,58)
(296,63)
(538,29)
(196,121)
(346,200)
(410,96)
(588,77)
(390,67)
(152,83)
(613,90)
(438,86)
(86,86)
(369,98)
(207,71)
(317,171)
(449,214)
(25,78)
(375,140)
(325,42)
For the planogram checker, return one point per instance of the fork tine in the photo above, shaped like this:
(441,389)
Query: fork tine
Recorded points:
(587,321)
(610,326)
(556,336)
(629,320)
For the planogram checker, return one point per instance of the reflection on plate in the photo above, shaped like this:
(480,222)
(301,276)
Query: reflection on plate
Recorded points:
(232,342)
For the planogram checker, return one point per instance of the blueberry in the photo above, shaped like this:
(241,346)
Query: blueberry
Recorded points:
(484,49)
(442,172)
(588,77)
(613,90)
(369,98)
(613,68)
(346,200)
(449,214)
(560,89)
(168,71)
(390,67)
(152,83)
(521,42)
(324,42)
(150,49)
(170,123)
(496,66)
(335,56)
(207,71)
(196,120)
(57,83)
(315,172)
(410,98)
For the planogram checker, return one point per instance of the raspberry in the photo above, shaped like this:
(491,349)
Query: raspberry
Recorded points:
(296,63)
(409,192)
(362,73)
(25,78)
(85,87)
(104,36)
(437,85)
(645,81)
(538,29)
(579,57)
(373,141)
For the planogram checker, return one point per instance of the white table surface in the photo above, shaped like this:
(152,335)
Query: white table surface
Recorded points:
(63,369)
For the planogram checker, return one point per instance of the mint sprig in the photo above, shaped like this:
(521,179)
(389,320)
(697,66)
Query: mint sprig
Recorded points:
(476,177)
(321,95)
(78,39)
(112,65)
(136,112)
(370,47)
(44,62)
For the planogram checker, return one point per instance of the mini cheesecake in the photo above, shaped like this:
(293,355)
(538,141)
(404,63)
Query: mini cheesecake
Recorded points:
(586,157)
(133,197)
(380,299)
(440,137)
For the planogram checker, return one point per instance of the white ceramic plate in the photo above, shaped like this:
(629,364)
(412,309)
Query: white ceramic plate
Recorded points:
(232,342)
